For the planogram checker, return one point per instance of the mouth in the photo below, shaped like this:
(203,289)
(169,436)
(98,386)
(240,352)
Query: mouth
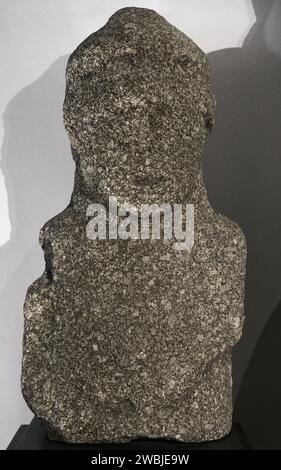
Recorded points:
(148,180)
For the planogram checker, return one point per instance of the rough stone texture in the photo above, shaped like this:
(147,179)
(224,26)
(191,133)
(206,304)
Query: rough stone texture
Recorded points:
(126,339)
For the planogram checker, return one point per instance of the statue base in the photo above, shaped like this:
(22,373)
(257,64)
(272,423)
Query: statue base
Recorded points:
(33,437)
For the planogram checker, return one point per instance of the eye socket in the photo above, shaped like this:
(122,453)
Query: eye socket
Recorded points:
(183,61)
(87,76)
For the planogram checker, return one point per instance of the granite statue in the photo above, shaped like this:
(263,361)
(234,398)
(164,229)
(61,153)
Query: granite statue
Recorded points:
(130,338)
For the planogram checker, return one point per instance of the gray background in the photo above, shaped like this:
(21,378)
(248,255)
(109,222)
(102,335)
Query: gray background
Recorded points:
(241,169)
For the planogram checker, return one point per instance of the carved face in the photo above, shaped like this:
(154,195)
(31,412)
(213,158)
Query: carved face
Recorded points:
(137,109)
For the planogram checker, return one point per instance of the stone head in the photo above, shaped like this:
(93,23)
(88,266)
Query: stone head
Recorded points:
(138,106)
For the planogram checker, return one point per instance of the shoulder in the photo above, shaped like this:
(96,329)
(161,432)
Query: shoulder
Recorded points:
(223,234)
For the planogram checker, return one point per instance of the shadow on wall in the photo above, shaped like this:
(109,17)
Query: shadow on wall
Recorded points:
(242,172)
(38,169)
(259,399)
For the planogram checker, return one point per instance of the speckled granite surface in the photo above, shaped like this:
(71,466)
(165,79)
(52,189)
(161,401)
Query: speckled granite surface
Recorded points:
(127,339)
